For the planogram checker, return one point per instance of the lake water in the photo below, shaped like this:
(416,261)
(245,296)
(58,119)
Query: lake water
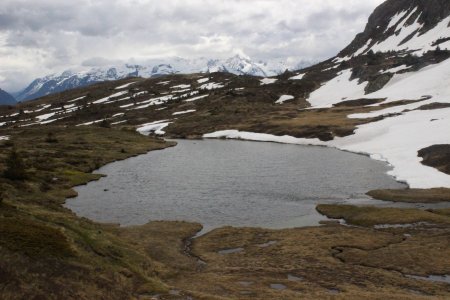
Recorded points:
(236,183)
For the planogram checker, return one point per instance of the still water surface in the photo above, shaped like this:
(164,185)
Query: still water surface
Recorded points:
(236,183)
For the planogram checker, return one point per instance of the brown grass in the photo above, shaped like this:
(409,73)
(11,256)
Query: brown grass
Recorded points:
(412,195)
(369,216)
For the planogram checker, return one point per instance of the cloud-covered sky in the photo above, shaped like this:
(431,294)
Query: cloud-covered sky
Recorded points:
(47,36)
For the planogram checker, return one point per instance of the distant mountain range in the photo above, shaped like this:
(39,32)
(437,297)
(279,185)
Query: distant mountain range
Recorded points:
(6,99)
(70,79)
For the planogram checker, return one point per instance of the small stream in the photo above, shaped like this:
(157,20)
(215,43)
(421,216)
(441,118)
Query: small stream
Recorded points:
(236,183)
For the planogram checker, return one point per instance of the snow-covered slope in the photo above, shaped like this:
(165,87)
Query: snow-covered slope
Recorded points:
(238,65)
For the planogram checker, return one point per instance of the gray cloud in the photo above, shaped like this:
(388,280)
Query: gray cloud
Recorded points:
(40,37)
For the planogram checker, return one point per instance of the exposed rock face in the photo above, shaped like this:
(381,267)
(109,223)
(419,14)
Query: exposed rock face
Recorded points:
(437,156)
(392,16)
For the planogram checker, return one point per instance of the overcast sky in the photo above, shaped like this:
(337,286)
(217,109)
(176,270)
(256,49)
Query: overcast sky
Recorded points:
(46,36)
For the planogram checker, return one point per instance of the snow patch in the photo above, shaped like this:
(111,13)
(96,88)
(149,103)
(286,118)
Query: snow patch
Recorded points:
(265,81)
(120,122)
(42,108)
(90,123)
(203,80)
(156,127)
(153,101)
(196,98)
(181,86)
(184,112)
(45,117)
(118,100)
(363,48)
(127,105)
(182,91)
(211,86)
(261,137)
(339,60)
(297,77)
(396,69)
(125,85)
(51,121)
(284,98)
(395,19)
(109,97)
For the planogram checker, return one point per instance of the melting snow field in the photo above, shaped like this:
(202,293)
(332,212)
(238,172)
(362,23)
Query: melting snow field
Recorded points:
(397,141)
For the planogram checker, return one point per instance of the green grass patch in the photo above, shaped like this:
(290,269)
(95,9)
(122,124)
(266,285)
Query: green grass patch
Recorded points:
(76,178)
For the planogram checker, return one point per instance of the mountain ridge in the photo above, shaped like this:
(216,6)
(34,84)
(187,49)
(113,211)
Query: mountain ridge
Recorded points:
(69,79)
(6,98)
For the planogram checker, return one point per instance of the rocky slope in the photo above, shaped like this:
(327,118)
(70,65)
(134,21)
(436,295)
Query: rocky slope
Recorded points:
(413,26)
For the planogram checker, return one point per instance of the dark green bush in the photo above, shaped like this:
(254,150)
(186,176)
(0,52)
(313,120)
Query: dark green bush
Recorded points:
(15,166)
